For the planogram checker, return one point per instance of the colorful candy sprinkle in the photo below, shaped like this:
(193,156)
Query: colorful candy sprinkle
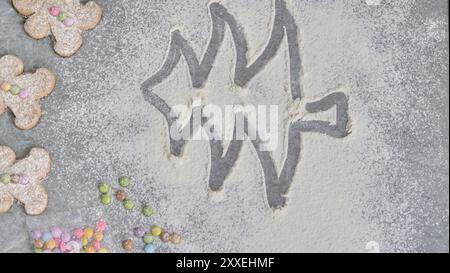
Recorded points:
(63,247)
(62,16)
(105,199)
(5,179)
(54,11)
(24,93)
(128,204)
(15,178)
(88,232)
(104,188)
(37,250)
(84,240)
(150,248)
(46,236)
(56,232)
(165,237)
(50,244)
(148,238)
(175,238)
(156,231)
(96,245)
(73,246)
(98,236)
(24,179)
(103,250)
(124,181)
(121,195)
(36,234)
(15,90)
(78,233)
(38,243)
(69,22)
(65,236)
(128,245)
(100,226)
(139,232)
(89,249)
(148,211)
(5,86)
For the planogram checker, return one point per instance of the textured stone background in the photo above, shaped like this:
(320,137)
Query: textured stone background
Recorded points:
(392,188)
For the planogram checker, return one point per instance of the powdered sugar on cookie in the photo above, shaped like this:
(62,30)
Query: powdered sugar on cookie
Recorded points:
(21,93)
(64,19)
(22,180)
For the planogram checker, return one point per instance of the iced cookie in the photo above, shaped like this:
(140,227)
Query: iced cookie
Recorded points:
(21,180)
(64,19)
(21,93)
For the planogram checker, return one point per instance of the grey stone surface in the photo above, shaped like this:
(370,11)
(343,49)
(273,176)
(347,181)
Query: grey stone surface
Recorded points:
(98,126)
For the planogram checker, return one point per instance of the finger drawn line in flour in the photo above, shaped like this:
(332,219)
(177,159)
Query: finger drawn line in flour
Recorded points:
(277,185)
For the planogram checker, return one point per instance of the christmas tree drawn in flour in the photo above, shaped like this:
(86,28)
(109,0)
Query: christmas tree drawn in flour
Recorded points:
(284,26)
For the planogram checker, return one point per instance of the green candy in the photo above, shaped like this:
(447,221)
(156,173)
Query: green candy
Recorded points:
(128,204)
(148,238)
(124,181)
(148,211)
(62,16)
(15,90)
(104,188)
(37,250)
(5,179)
(105,199)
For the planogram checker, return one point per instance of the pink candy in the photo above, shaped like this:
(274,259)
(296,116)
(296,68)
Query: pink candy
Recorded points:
(57,241)
(24,93)
(54,11)
(69,22)
(62,247)
(78,233)
(96,245)
(100,226)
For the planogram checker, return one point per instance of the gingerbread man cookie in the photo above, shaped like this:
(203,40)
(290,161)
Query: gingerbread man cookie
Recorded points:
(65,19)
(21,93)
(22,180)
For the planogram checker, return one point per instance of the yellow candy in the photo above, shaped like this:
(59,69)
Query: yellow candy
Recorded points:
(98,236)
(37,250)
(156,231)
(50,244)
(103,250)
(89,249)
(5,86)
(88,232)
(84,240)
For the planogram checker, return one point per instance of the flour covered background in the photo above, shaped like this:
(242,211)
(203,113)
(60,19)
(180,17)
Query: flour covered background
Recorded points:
(386,182)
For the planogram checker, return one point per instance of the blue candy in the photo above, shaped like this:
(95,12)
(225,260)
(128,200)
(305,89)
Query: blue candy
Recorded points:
(47,236)
(150,248)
